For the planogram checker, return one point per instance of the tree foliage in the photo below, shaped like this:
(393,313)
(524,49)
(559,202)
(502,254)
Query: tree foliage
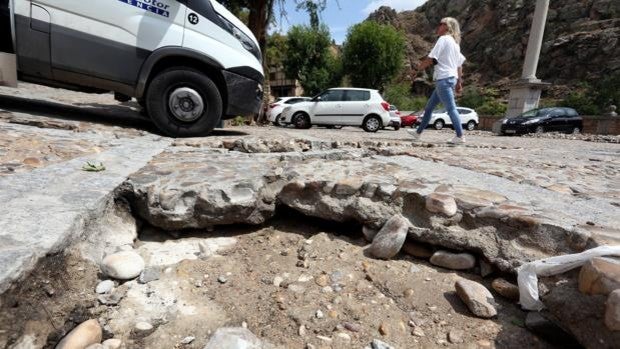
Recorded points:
(309,60)
(373,54)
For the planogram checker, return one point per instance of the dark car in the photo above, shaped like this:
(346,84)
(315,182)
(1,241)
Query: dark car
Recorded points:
(544,120)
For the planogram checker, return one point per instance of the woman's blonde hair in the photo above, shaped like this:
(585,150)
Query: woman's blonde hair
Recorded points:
(453,28)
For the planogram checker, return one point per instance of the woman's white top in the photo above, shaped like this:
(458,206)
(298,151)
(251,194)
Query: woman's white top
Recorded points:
(449,58)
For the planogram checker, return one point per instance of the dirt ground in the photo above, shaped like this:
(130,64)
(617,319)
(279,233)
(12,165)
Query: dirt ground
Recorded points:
(295,282)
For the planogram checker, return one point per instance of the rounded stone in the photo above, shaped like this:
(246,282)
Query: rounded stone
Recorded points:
(477,298)
(390,238)
(112,343)
(104,286)
(455,261)
(599,276)
(124,265)
(85,334)
(143,326)
(506,289)
(441,203)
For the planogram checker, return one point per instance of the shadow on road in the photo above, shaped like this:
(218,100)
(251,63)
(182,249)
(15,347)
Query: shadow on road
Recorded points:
(126,115)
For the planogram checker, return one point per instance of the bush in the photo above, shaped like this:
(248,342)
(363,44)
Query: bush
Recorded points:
(492,108)
(238,121)
(472,98)
(399,94)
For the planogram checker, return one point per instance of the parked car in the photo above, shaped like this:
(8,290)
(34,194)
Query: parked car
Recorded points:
(411,120)
(469,118)
(544,120)
(340,107)
(394,118)
(274,110)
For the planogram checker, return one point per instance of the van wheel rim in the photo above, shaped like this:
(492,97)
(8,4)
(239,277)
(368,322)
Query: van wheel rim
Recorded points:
(372,124)
(186,104)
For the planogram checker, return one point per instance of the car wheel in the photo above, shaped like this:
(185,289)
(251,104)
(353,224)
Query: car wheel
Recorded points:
(576,131)
(439,124)
(183,102)
(372,124)
(337,127)
(471,125)
(539,130)
(277,120)
(301,120)
(396,128)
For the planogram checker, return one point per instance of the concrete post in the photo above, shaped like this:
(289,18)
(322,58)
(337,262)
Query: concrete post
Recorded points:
(534,43)
(525,93)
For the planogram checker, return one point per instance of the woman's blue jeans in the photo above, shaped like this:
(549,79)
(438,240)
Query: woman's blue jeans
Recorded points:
(444,93)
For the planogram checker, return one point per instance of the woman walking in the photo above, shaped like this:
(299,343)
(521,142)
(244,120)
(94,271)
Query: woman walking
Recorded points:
(448,61)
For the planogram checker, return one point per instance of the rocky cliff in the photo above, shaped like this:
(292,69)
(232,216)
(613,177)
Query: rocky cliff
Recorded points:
(580,42)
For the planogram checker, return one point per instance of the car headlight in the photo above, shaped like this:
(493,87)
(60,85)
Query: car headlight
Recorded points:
(245,40)
(533,121)
(504,121)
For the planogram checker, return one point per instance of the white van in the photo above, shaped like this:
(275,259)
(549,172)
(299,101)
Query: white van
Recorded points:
(190,63)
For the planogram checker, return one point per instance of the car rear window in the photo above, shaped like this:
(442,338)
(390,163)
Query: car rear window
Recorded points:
(571,112)
(356,95)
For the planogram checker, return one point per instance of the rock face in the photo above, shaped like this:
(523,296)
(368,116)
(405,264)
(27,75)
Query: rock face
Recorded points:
(234,338)
(87,333)
(599,276)
(390,238)
(124,265)
(580,43)
(477,298)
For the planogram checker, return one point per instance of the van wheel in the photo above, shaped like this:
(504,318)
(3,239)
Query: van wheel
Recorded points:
(372,124)
(471,125)
(439,124)
(183,102)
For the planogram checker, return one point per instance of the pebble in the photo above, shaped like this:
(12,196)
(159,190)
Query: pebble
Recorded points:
(343,336)
(384,329)
(325,339)
(104,286)
(454,261)
(377,344)
(506,289)
(456,336)
(85,334)
(143,326)
(222,280)
(353,327)
(477,298)
(441,203)
(277,281)
(322,280)
(124,265)
(188,340)
(417,331)
(390,238)
(319,314)
(408,293)
(302,330)
(112,343)
(149,274)
(234,337)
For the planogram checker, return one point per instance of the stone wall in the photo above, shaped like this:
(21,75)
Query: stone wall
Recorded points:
(591,124)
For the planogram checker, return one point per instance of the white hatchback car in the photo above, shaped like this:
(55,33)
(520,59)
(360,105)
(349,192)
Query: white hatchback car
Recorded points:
(341,107)
(274,110)
(469,118)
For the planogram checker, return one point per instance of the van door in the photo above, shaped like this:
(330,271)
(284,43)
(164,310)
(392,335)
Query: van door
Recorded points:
(32,39)
(110,39)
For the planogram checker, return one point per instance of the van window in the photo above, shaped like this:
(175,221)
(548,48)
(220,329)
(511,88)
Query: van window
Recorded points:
(356,95)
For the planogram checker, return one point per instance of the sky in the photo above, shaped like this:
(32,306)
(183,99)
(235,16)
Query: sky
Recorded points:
(340,15)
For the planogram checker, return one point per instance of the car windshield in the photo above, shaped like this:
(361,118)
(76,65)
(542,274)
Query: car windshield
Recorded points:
(536,113)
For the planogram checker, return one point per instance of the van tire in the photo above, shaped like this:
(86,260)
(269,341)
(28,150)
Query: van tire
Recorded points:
(158,102)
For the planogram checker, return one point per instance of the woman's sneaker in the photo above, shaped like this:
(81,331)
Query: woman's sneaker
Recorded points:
(457,140)
(414,133)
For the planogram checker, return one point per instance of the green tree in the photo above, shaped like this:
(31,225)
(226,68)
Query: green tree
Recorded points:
(308,58)
(373,54)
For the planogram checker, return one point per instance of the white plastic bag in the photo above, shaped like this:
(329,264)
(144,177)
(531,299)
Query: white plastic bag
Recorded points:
(528,273)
